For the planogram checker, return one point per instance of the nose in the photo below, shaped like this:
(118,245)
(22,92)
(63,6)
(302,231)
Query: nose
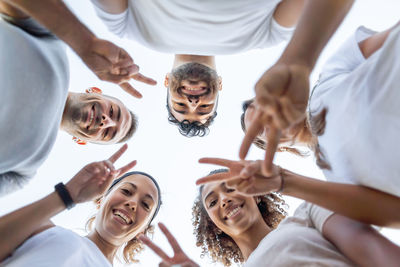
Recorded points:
(224,201)
(132,205)
(106,121)
(193,100)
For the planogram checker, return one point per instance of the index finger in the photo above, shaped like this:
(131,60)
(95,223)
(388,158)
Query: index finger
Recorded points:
(217,161)
(118,154)
(130,90)
(215,177)
(272,137)
(253,130)
(144,79)
(171,239)
(154,248)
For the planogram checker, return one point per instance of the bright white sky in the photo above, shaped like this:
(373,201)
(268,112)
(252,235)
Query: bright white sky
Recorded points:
(159,148)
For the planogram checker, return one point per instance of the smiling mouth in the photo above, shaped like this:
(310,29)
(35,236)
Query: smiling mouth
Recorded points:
(91,118)
(233,212)
(122,217)
(194,91)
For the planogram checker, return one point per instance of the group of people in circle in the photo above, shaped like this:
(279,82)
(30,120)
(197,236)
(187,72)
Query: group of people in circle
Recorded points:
(349,121)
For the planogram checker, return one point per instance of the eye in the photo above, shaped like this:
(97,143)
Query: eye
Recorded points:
(111,111)
(212,203)
(204,106)
(145,205)
(125,191)
(230,190)
(180,104)
(105,133)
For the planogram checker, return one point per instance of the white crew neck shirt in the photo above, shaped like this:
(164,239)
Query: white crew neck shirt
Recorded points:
(298,241)
(57,247)
(362,97)
(33,92)
(207,27)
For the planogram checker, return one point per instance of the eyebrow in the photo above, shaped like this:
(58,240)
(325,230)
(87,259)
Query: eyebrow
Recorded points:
(119,113)
(135,188)
(208,195)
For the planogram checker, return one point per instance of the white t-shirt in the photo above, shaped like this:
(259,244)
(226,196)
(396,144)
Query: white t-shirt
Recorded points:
(298,241)
(57,247)
(207,27)
(34,86)
(361,138)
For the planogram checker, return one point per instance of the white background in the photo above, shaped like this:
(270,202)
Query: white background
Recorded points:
(159,148)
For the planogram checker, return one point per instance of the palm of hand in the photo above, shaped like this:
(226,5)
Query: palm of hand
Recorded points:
(282,93)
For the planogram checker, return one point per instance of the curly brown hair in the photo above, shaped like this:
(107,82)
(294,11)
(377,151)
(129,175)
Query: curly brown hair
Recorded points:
(220,246)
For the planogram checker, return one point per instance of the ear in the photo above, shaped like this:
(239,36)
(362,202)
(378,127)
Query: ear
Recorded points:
(219,83)
(92,90)
(166,80)
(79,141)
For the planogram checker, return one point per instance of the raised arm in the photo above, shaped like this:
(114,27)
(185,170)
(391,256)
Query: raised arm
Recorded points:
(360,242)
(357,202)
(282,91)
(108,61)
(86,185)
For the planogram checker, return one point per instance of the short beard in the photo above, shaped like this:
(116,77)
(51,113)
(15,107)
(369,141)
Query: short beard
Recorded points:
(194,72)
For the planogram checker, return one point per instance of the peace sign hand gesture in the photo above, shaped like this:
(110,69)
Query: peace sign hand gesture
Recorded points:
(95,178)
(244,176)
(179,257)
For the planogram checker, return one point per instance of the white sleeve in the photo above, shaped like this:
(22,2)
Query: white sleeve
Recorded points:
(116,23)
(314,215)
(278,33)
(347,57)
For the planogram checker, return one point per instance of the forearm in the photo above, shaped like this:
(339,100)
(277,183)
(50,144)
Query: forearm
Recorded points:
(19,225)
(360,242)
(318,22)
(56,16)
(357,202)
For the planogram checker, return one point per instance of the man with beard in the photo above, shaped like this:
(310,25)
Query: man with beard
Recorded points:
(35,102)
(195,31)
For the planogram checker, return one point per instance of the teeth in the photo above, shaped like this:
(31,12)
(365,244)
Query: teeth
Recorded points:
(123,216)
(91,118)
(233,212)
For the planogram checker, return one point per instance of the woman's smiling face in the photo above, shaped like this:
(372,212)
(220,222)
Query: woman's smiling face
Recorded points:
(127,210)
(230,212)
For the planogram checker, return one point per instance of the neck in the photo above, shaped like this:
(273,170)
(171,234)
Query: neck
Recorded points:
(109,250)
(68,102)
(248,241)
(205,60)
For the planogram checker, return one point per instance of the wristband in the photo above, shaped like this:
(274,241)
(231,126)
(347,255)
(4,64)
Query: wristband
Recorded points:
(64,195)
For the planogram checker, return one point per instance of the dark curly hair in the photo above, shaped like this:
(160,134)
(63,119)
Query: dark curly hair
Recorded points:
(195,128)
(217,244)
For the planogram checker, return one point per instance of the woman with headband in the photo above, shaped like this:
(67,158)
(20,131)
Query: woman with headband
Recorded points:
(126,207)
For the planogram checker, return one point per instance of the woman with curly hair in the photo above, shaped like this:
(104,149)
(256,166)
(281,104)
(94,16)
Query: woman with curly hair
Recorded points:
(233,224)
(126,207)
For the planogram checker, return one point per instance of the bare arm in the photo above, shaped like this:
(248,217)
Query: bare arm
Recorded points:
(112,6)
(288,12)
(354,201)
(373,43)
(360,242)
(87,184)
(19,225)
(360,203)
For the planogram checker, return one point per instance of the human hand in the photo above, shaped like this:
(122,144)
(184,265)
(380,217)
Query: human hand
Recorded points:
(179,258)
(281,101)
(95,178)
(113,64)
(246,177)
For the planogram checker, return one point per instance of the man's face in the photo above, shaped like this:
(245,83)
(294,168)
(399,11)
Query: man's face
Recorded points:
(192,92)
(96,118)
